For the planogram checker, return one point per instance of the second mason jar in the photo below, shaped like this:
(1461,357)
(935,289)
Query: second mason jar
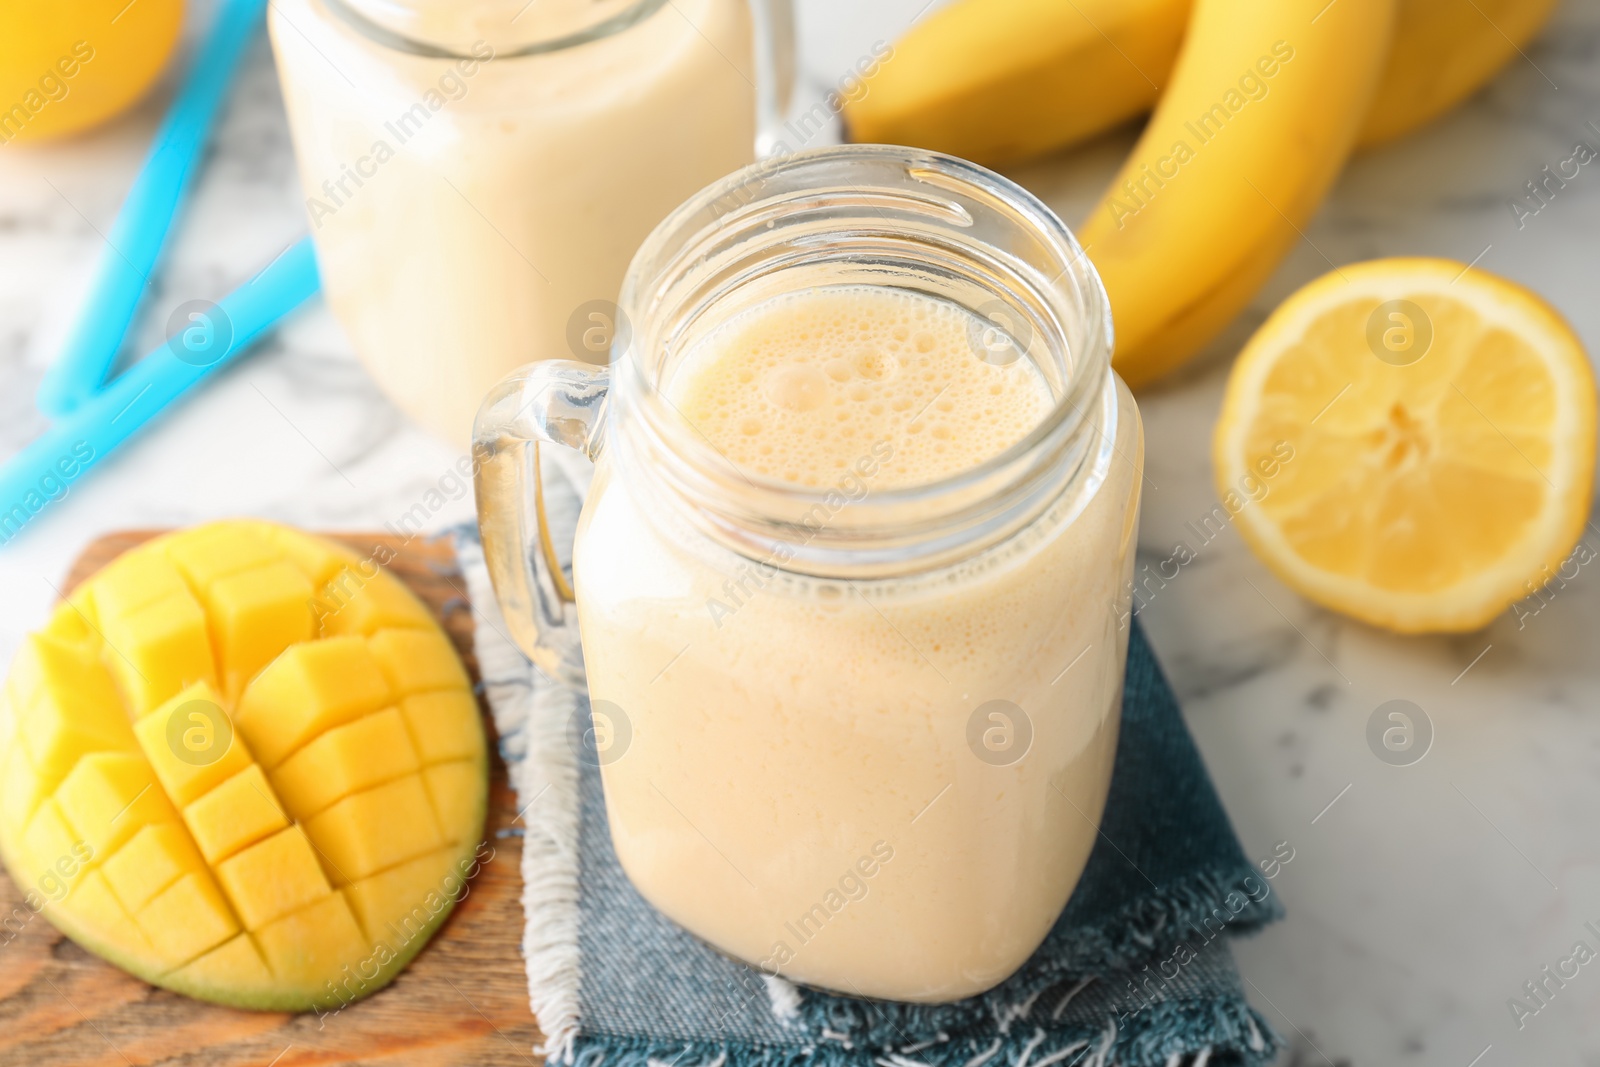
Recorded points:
(478,175)
(852,574)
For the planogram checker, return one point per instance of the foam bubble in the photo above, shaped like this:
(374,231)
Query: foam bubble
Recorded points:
(814,382)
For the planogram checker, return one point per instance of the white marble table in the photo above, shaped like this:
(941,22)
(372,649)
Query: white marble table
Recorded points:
(1420,900)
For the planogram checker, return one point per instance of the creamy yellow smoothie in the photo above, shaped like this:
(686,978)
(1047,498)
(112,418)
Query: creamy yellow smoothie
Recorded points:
(885,787)
(474,208)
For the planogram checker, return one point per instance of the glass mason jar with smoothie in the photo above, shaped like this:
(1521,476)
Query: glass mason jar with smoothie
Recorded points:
(478,173)
(852,572)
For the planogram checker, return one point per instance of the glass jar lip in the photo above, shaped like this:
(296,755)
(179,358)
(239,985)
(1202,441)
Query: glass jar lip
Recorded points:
(399,42)
(659,255)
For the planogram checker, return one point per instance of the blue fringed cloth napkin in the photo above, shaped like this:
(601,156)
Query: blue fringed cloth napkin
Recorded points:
(1137,970)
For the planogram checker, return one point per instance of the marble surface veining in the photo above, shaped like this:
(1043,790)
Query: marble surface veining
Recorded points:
(1421,898)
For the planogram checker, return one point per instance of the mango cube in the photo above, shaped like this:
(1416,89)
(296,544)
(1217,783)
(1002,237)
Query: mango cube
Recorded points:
(64,704)
(155,857)
(20,789)
(396,905)
(158,732)
(198,752)
(444,725)
(186,919)
(51,667)
(55,851)
(239,812)
(417,660)
(256,614)
(345,760)
(457,790)
(311,688)
(96,909)
(207,553)
(159,649)
(235,964)
(316,944)
(70,623)
(369,831)
(315,558)
(130,583)
(353,603)
(109,796)
(271,878)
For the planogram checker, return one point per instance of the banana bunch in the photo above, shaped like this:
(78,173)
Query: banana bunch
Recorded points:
(1443,52)
(1258,103)
(999,81)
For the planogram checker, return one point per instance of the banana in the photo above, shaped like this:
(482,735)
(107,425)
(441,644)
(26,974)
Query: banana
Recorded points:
(997,81)
(1260,113)
(1443,51)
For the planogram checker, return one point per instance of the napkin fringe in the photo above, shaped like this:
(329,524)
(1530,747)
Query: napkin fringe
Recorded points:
(1162,1035)
(550,876)
(532,721)
(1196,909)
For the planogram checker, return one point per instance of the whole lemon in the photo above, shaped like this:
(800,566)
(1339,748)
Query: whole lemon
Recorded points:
(68,64)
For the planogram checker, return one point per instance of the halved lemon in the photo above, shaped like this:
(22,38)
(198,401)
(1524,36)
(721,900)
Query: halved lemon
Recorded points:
(1410,442)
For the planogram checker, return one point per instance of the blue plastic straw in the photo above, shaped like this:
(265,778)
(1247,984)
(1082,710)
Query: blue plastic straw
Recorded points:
(49,468)
(140,232)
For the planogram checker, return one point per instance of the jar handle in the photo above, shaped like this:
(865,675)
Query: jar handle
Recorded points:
(776,73)
(554,402)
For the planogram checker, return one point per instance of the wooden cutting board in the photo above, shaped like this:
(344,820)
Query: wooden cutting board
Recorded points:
(463,1000)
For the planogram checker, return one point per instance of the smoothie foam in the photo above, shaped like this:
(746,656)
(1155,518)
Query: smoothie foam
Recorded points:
(798,387)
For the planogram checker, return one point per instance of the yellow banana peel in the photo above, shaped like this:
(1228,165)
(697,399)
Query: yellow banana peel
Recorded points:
(1000,81)
(996,81)
(1443,51)
(1263,108)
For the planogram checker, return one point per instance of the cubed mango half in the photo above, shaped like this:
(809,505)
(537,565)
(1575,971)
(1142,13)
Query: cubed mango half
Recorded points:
(245,764)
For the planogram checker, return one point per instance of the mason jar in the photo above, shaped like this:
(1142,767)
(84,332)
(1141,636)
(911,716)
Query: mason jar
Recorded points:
(859,737)
(478,175)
